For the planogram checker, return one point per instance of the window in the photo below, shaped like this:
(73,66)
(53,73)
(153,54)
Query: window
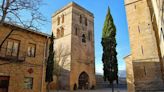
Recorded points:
(142,50)
(9,48)
(89,35)
(62,18)
(83,38)
(28,82)
(138,29)
(76,31)
(86,23)
(31,50)
(58,20)
(58,33)
(4,83)
(62,32)
(134,6)
(12,48)
(145,70)
(162,33)
(80,19)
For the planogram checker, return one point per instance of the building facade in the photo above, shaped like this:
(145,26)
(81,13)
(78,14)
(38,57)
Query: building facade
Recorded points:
(158,16)
(73,27)
(22,57)
(144,64)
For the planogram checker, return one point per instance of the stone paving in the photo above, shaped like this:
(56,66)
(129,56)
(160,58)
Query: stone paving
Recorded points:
(97,90)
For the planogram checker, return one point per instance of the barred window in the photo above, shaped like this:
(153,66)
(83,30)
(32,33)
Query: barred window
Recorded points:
(28,83)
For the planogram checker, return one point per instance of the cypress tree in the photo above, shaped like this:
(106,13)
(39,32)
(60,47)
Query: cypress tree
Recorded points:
(109,57)
(50,63)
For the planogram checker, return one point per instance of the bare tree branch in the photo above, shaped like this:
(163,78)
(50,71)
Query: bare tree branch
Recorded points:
(61,61)
(22,12)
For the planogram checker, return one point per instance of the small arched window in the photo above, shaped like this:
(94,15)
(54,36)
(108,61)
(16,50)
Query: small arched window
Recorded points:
(58,20)
(89,35)
(62,18)
(86,23)
(58,33)
(62,32)
(76,31)
(80,19)
(134,6)
(83,38)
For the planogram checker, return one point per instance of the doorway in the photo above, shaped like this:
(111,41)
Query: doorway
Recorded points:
(4,83)
(83,81)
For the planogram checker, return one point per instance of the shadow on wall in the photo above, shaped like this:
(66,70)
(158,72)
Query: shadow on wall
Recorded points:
(61,80)
(147,75)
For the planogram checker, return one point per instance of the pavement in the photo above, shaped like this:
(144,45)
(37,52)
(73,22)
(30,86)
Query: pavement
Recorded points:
(121,88)
(98,90)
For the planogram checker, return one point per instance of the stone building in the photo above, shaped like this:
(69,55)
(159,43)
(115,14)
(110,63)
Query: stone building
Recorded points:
(73,27)
(158,17)
(144,64)
(22,58)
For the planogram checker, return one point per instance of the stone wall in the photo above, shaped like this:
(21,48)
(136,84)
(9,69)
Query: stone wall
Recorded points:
(145,60)
(129,73)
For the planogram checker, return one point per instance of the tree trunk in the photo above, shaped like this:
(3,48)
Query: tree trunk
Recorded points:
(57,82)
(117,86)
(48,88)
(112,87)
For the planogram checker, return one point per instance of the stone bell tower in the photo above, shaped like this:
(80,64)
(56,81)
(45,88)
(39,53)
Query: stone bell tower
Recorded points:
(73,27)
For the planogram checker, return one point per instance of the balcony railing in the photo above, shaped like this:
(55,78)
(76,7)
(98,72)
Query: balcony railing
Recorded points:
(12,56)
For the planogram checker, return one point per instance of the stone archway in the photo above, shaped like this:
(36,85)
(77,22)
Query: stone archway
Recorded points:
(83,81)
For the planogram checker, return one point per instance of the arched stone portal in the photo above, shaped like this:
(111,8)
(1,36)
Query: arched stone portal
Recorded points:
(83,82)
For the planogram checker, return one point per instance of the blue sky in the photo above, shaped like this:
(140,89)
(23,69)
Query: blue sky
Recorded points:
(99,9)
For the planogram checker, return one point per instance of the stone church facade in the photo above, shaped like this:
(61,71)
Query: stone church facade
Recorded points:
(73,27)
(144,65)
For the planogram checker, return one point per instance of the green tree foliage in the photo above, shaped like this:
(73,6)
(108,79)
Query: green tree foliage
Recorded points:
(50,63)
(109,57)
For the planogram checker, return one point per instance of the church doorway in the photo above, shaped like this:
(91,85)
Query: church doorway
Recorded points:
(83,81)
